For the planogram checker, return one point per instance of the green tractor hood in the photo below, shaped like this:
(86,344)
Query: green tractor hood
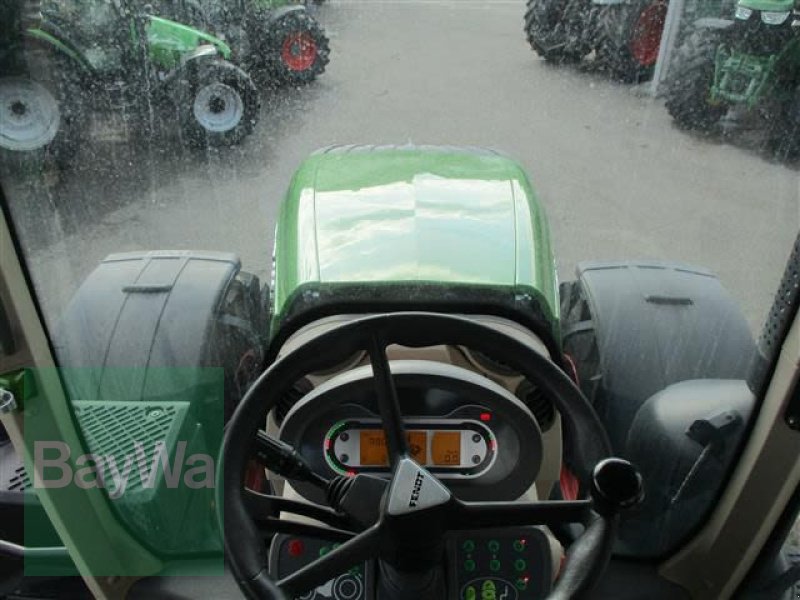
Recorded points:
(413,228)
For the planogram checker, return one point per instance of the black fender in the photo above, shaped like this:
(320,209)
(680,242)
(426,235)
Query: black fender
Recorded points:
(164,309)
(634,328)
(178,84)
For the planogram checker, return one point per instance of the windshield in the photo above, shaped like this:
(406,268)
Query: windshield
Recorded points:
(634,134)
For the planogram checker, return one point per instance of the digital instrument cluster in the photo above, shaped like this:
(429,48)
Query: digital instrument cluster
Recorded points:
(446,447)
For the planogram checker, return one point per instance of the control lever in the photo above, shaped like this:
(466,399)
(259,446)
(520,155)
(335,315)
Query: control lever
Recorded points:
(359,497)
(280,458)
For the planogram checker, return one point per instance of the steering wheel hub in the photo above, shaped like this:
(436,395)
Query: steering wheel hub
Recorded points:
(414,490)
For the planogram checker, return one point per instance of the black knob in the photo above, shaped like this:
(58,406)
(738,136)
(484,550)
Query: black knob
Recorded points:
(616,485)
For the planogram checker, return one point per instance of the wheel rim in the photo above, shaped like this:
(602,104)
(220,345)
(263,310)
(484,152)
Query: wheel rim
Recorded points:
(218,107)
(299,51)
(29,115)
(646,39)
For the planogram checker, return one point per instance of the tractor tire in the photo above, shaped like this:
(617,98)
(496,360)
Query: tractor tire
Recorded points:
(296,50)
(629,37)
(42,120)
(689,82)
(551,34)
(222,107)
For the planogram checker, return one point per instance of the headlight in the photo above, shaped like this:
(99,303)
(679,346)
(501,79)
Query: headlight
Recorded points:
(774,18)
(743,13)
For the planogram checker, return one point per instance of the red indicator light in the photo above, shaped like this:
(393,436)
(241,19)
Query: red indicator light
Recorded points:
(492,445)
(486,416)
(328,444)
(295,548)
(351,473)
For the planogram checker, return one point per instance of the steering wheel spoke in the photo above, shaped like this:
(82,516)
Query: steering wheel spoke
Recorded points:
(388,403)
(472,515)
(359,549)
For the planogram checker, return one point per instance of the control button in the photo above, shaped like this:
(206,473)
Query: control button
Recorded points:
(470,593)
(347,587)
(522,583)
(476,437)
(468,546)
(494,565)
(494,546)
(519,545)
(520,565)
(295,548)
(469,565)
(324,550)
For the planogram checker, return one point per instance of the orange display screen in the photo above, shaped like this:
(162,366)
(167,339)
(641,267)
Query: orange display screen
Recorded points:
(446,448)
(373,447)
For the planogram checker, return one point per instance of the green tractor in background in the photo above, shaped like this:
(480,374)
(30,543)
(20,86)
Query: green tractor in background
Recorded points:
(624,35)
(79,70)
(277,39)
(749,66)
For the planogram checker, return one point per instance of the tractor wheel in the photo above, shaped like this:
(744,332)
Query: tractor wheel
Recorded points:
(41,120)
(222,107)
(551,34)
(689,81)
(297,49)
(630,37)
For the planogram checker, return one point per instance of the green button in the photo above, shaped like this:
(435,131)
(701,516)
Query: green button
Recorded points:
(324,550)
(468,546)
(494,565)
(522,583)
(494,545)
(470,593)
(519,545)
(520,565)
(469,565)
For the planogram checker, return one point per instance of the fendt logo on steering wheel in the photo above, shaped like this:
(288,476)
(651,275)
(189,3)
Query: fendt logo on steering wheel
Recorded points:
(416,490)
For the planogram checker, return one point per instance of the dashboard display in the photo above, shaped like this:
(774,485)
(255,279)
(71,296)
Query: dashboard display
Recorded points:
(372,444)
(446,448)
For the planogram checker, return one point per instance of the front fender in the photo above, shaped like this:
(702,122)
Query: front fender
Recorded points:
(178,82)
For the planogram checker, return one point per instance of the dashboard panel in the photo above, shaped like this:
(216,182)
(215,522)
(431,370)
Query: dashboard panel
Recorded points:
(469,432)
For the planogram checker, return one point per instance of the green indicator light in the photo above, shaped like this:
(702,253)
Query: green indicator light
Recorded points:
(470,593)
(468,546)
(469,565)
(519,545)
(522,583)
(520,565)
(324,550)
(494,546)
(494,565)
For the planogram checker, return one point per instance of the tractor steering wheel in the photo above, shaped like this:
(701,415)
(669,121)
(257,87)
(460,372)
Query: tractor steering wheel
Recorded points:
(394,536)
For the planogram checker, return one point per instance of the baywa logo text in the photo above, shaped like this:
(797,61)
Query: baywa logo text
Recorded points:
(52,468)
